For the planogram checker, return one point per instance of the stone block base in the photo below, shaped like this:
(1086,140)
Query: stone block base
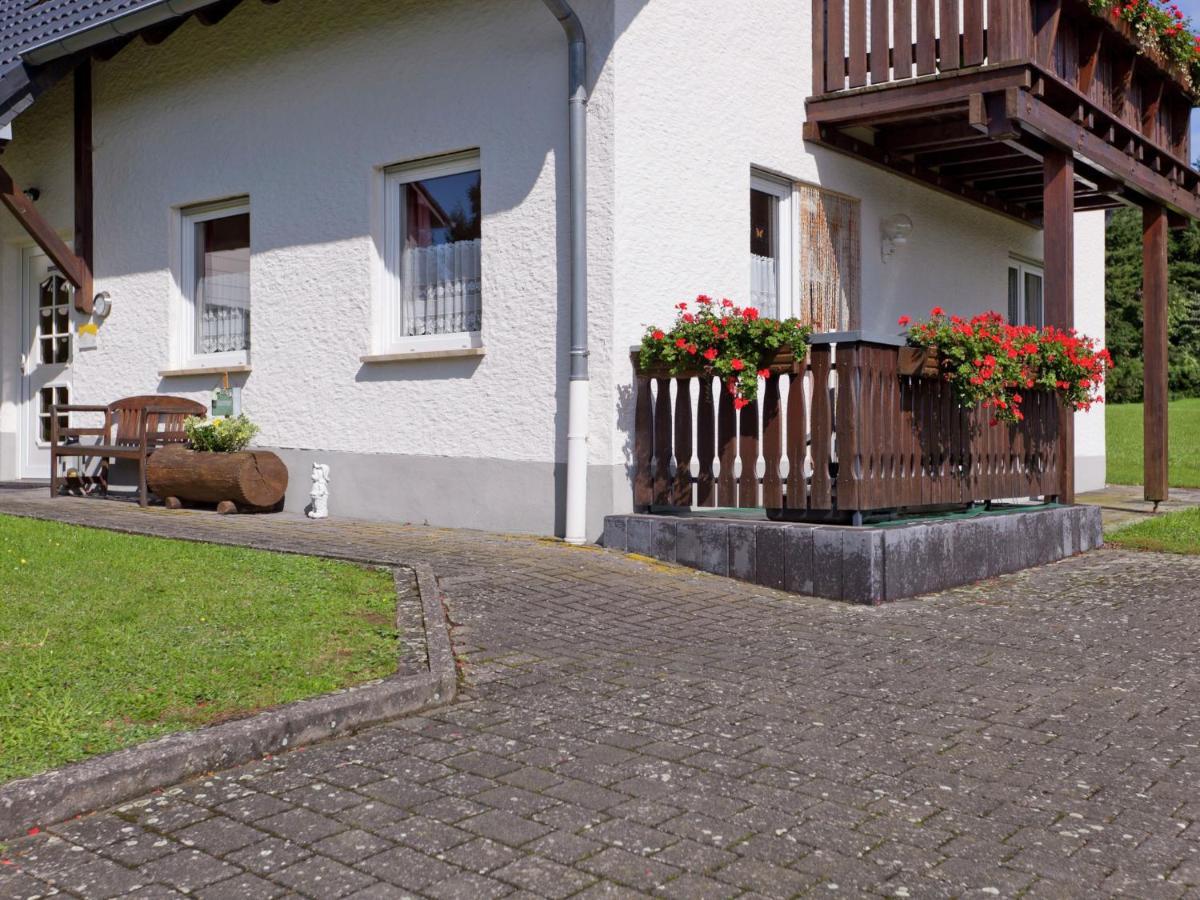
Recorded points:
(862,565)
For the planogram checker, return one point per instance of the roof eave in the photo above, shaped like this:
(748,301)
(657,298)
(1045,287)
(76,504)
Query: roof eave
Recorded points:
(118,26)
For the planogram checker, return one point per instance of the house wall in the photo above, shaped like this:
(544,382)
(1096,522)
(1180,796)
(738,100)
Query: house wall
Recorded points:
(299,108)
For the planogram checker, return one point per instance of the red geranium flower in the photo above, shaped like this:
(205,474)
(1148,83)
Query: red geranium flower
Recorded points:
(737,365)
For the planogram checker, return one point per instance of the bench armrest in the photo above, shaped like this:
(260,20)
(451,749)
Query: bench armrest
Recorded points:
(76,407)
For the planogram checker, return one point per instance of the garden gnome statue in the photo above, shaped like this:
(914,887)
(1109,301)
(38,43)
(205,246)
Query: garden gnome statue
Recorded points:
(319,508)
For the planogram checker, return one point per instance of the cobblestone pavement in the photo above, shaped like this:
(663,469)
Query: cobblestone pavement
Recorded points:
(632,728)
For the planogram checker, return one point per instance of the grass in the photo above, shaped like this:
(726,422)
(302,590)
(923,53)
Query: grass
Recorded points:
(1177,532)
(1124,429)
(107,640)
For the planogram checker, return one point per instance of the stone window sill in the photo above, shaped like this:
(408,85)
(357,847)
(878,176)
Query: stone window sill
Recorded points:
(204,370)
(416,355)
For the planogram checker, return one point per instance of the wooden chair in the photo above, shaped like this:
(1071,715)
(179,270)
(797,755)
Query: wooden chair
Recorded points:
(133,429)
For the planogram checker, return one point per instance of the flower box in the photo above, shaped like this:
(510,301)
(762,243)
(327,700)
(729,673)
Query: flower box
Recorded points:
(781,361)
(924,362)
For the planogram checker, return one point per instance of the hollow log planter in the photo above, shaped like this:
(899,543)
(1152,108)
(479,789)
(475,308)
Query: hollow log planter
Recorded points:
(247,481)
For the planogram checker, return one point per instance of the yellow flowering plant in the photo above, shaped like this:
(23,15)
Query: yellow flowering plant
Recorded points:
(220,435)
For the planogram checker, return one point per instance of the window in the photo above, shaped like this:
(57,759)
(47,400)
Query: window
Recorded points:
(829,259)
(1025,305)
(433,238)
(215,280)
(771,239)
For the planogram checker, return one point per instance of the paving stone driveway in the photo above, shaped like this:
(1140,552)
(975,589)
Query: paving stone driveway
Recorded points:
(631,728)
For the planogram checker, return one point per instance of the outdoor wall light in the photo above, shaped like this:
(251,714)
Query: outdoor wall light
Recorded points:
(102,305)
(895,232)
(34,194)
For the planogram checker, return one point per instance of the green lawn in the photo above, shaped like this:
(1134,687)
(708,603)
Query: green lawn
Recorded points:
(1177,532)
(1124,429)
(108,639)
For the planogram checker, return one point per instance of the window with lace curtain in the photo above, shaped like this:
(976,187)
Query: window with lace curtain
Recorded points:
(433,255)
(215,282)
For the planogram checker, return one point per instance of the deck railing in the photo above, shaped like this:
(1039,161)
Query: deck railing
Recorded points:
(839,432)
(872,42)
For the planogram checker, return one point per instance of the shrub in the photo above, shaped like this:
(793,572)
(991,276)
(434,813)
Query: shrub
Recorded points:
(221,435)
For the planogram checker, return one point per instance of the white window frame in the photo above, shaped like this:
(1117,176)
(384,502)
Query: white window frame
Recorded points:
(1024,267)
(387,340)
(186,355)
(784,192)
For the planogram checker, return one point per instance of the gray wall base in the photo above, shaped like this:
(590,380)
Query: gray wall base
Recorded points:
(861,565)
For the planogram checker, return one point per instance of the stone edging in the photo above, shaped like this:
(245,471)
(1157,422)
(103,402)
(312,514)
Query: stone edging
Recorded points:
(130,773)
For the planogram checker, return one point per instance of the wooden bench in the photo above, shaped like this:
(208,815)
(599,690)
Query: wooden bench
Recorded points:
(133,429)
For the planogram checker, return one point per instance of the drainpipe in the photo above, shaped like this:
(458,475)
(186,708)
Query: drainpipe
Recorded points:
(577,396)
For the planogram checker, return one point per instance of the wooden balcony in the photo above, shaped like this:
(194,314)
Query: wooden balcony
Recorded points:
(969,96)
(834,436)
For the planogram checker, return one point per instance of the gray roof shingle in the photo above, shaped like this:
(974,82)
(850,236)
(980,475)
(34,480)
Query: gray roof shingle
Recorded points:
(27,23)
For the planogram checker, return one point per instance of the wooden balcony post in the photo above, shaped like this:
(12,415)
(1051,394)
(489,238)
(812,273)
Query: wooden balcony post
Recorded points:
(1059,252)
(1154,350)
(84,239)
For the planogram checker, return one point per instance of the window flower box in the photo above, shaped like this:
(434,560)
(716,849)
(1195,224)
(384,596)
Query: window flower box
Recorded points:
(922,362)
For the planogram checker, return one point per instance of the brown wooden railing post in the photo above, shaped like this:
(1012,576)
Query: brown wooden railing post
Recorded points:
(820,83)
(849,428)
(643,444)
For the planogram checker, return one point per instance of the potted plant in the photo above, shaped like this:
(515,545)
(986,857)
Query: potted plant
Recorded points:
(216,467)
(736,344)
(989,363)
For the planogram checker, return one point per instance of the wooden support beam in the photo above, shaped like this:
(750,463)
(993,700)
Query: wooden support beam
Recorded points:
(1154,350)
(84,291)
(937,135)
(831,137)
(1058,218)
(922,94)
(12,195)
(1037,118)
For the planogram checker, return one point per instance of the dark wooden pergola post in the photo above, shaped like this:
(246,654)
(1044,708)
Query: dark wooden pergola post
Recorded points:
(1154,349)
(1059,298)
(83,183)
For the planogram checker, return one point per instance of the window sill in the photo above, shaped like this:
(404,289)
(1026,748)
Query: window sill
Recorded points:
(205,370)
(416,355)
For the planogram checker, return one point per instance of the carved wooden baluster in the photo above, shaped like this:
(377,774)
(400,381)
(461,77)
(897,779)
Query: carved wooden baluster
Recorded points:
(726,448)
(662,443)
(683,443)
(772,484)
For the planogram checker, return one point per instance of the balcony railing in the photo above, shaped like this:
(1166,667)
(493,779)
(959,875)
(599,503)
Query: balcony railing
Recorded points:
(841,432)
(1082,58)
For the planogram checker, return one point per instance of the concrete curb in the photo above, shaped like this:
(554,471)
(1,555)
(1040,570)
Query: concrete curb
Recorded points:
(135,771)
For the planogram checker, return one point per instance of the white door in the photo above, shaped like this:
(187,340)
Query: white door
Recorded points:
(45,356)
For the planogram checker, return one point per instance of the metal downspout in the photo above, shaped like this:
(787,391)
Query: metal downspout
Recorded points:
(577,397)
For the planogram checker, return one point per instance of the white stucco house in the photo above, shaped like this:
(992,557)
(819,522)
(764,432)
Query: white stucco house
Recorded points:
(359,215)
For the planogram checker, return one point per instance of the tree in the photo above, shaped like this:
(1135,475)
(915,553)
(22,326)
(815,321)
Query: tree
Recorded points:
(1123,308)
